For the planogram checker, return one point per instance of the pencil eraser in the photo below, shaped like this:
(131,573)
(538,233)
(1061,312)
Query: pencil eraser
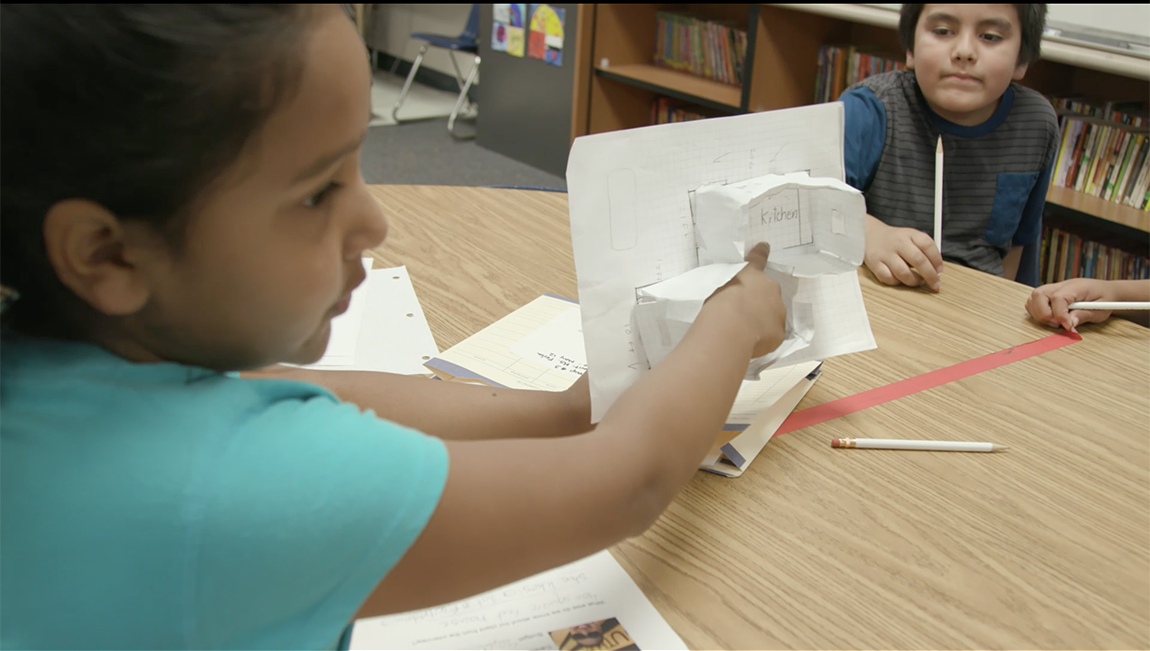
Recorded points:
(834,443)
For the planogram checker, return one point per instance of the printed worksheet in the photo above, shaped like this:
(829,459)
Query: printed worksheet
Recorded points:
(589,604)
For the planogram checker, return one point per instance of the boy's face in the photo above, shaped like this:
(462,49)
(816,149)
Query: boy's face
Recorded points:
(965,57)
(274,253)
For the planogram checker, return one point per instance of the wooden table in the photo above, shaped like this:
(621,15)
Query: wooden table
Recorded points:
(1047,545)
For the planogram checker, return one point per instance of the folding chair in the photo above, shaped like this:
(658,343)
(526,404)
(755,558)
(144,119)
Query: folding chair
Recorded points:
(468,42)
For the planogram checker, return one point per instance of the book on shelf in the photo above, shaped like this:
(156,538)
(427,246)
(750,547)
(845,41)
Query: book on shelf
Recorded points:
(842,66)
(1132,112)
(710,49)
(1103,150)
(665,110)
(1066,255)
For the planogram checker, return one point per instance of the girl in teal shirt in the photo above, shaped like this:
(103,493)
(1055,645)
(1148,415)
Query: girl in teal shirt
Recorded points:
(182,201)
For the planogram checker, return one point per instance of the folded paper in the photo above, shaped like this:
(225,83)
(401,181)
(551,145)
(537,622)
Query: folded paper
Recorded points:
(634,200)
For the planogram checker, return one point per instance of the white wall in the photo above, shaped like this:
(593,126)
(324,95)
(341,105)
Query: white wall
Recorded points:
(391,26)
(1125,19)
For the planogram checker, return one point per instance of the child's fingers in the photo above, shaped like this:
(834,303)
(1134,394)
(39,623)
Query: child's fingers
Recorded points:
(925,243)
(882,272)
(1060,311)
(1078,317)
(1038,305)
(900,270)
(922,265)
(757,256)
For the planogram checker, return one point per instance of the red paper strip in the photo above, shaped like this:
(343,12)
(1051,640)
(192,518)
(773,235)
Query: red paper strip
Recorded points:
(896,390)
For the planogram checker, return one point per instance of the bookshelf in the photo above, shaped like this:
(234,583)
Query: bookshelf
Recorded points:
(782,66)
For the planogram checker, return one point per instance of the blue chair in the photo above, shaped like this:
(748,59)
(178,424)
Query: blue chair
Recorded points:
(467,42)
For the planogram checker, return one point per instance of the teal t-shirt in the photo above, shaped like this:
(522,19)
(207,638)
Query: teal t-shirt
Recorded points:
(163,506)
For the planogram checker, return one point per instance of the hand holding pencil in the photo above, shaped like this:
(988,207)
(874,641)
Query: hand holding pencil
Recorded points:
(902,256)
(906,256)
(1086,300)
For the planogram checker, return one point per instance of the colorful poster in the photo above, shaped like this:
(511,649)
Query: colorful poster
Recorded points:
(515,41)
(499,36)
(545,40)
(507,29)
(515,15)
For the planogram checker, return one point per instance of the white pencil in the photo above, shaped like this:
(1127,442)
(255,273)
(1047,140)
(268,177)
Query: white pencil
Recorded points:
(902,444)
(1110,305)
(938,196)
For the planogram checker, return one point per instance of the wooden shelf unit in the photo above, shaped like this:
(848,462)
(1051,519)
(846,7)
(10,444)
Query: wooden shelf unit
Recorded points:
(782,62)
(681,85)
(626,81)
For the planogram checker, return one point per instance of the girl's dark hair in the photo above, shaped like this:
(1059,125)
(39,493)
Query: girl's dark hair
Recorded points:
(139,108)
(1031,21)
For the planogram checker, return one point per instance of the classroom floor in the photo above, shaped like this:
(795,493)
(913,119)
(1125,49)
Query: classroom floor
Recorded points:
(423,153)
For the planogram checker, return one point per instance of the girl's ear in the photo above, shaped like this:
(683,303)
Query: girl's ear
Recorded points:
(96,257)
(909,60)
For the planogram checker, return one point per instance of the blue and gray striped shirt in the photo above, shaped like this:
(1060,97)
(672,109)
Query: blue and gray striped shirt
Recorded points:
(996,174)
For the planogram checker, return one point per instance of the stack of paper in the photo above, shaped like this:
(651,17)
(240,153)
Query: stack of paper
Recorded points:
(589,604)
(538,346)
(383,329)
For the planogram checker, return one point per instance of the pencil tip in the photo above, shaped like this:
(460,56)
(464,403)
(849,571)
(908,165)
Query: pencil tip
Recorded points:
(998,448)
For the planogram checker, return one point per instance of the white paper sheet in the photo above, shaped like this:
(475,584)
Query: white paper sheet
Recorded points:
(630,196)
(344,338)
(535,613)
(383,330)
(666,310)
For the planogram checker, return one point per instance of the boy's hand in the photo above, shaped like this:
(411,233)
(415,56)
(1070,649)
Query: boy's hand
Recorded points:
(901,255)
(757,300)
(1050,304)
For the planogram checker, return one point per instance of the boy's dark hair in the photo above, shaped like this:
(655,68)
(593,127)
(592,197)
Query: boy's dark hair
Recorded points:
(1031,22)
(138,108)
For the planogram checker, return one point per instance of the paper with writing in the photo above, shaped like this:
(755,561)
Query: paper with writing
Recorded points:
(557,343)
(538,346)
(530,614)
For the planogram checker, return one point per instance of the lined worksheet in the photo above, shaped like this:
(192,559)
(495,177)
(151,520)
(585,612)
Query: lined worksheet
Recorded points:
(538,346)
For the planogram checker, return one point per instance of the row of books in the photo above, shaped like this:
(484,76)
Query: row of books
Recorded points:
(1132,112)
(1104,155)
(665,110)
(706,48)
(840,67)
(1066,255)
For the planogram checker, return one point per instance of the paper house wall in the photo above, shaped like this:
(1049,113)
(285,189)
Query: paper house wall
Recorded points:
(815,226)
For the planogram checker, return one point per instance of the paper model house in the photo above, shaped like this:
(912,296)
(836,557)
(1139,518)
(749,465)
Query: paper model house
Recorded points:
(815,226)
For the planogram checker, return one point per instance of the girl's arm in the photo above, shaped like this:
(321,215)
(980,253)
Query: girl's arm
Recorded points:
(512,508)
(453,410)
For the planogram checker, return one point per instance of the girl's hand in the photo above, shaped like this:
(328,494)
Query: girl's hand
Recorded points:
(1050,304)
